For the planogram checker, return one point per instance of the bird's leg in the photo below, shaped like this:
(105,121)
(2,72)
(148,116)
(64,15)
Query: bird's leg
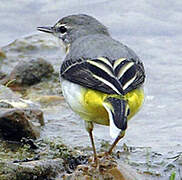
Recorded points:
(120,135)
(89,128)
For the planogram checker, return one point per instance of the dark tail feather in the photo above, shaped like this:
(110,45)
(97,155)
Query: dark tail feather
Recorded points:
(118,110)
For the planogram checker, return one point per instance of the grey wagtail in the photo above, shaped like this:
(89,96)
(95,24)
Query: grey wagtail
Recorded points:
(102,79)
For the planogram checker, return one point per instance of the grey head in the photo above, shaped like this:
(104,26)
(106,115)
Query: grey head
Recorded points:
(72,27)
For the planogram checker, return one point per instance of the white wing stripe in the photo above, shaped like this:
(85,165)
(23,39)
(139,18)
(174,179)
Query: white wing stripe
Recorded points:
(106,61)
(107,83)
(118,62)
(124,69)
(101,66)
(129,82)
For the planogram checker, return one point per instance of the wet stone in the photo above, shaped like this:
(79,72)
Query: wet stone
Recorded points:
(10,99)
(38,170)
(107,168)
(18,123)
(30,72)
(7,94)
(34,46)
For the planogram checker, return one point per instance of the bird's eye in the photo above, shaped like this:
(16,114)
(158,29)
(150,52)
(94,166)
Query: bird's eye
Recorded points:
(62,29)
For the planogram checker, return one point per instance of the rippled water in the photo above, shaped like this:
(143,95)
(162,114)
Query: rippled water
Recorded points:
(152,29)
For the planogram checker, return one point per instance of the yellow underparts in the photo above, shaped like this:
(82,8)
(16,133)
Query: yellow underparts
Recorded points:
(95,111)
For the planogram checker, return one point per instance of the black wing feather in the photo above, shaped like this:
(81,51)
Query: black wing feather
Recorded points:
(81,72)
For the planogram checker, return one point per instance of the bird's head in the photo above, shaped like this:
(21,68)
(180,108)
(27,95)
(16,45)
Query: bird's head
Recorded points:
(72,27)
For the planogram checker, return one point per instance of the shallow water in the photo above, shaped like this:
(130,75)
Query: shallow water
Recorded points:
(153,29)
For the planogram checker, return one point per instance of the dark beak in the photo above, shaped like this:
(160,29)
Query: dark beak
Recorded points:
(45,29)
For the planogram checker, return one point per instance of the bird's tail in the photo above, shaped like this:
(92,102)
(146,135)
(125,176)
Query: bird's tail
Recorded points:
(118,110)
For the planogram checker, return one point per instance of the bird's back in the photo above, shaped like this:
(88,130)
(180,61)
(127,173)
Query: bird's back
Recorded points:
(100,45)
(104,64)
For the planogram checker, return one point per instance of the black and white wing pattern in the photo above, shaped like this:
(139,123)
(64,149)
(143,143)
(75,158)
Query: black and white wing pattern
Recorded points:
(117,76)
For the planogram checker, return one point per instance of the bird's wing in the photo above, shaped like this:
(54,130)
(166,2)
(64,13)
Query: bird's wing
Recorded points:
(112,77)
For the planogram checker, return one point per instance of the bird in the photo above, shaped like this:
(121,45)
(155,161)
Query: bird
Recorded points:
(102,79)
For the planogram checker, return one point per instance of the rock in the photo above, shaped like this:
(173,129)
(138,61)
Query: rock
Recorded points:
(7,94)
(40,169)
(45,92)
(18,123)
(35,116)
(16,103)
(30,47)
(30,72)
(10,99)
(37,43)
(107,168)
(47,99)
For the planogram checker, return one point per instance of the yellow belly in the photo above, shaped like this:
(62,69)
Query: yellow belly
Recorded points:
(95,111)
(88,103)
(92,102)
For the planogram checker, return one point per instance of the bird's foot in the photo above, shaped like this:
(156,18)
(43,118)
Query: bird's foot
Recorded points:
(93,161)
(104,159)
(97,169)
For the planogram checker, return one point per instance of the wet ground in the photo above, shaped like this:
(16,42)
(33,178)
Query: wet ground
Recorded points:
(153,29)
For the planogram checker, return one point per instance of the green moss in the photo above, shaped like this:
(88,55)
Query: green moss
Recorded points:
(13,151)
(14,155)
(57,149)
(46,149)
